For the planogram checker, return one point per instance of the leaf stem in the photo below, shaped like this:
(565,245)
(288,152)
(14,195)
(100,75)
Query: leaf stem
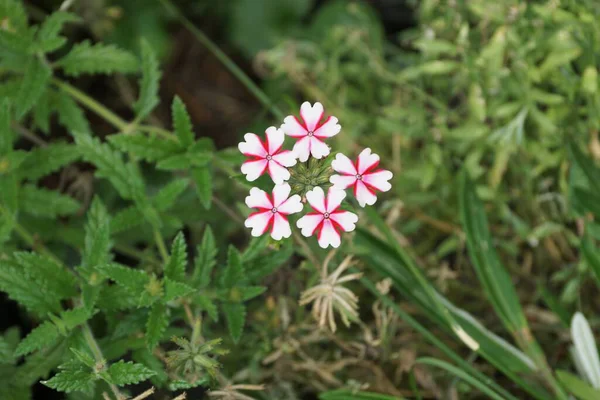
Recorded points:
(93,345)
(160,243)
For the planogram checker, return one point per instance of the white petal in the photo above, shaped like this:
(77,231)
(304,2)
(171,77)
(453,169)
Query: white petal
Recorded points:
(329,128)
(292,127)
(335,197)
(258,199)
(280,194)
(278,173)
(274,139)
(291,206)
(345,219)
(342,181)
(286,158)
(367,161)
(316,199)
(252,146)
(281,227)
(343,165)
(328,235)
(309,223)
(363,194)
(318,149)
(311,114)
(302,149)
(254,169)
(259,222)
(379,180)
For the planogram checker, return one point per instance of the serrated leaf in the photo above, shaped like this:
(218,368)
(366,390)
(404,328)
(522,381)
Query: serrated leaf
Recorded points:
(127,373)
(124,176)
(206,304)
(203,178)
(35,81)
(97,236)
(255,247)
(73,377)
(42,111)
(47,273)
(46,203)
(205,260)
(133,279)
(245,293)
(149,82)
(235,314)
(175,268)
(182,123)
(116,298)
(45,160)
(233,275)
(6,134)
(48,35)
(266,264)
(175,162)
(99,58)
(146,147)
(70,115)
(167,196)
(125,219)
(158,320)
(75,317)
(175,289)
(42,336)
(145,357)
(13,14)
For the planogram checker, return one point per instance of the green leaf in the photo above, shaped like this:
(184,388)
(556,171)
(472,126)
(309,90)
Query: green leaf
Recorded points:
(149,82)
(233,275)
(45,160)
(48,38)
(343,394)
(56,280)
(13,14)
(203,178)
(175,289)
(592,258)
(42,111)
(577,387)
(245,293)
(175,162)
(182,123)
(146,147)
(124,176)
(6,134)
(99,58)
(128,373)
(235,314)
(591,172)
(265,265)
(75,317)
(70,115)
(97,236)
(158,320)
(134,280)
(206,304)
(35,81)
(46,203)
(42,336)
(125,219)
(167,196)
(205,260)
(73,377)
(175,268)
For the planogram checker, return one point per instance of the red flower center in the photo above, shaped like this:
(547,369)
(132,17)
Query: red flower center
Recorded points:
(274,210)
(359,177)
(269,157)
(310,133)
(326,215)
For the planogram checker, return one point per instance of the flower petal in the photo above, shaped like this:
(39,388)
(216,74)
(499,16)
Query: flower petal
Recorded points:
(379,179)
(311,114)
(252,146)
(275,139)
(280,194)
(328,235)
(259,222)
(286,158)
(309,223)
(302,149)
(292,127)
(363,194)
(253,169)
(258,199)
(342,181)
(318,148)
(345,219)
(329,128)
(367,161)
(343,165)
(281,227)
(291,206)
(278,173)
(335,197)
(316,199)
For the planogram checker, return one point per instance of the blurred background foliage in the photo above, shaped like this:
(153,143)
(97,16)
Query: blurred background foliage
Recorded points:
(505,90)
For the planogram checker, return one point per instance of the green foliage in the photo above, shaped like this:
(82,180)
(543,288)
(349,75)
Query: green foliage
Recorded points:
(128,373)
(73,376)
(158,320)
(46,203)
(148,98)
(175,268)
(35,80)
(85,58)
(182,123)
(49,33)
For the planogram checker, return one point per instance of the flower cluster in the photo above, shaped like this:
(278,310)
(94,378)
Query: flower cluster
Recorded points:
(327,219)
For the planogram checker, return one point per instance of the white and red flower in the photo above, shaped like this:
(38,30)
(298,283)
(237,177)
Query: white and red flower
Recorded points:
(266,156)
(311,131)
(327,220)
(362,175)
(272,211)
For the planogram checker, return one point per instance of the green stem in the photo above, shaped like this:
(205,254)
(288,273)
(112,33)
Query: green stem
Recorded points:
(93,345)
(160,243)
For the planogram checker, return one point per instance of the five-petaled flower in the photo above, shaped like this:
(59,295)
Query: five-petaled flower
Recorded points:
(327,219)
(272,211)
(362,175)
(310,131)
(266,156)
